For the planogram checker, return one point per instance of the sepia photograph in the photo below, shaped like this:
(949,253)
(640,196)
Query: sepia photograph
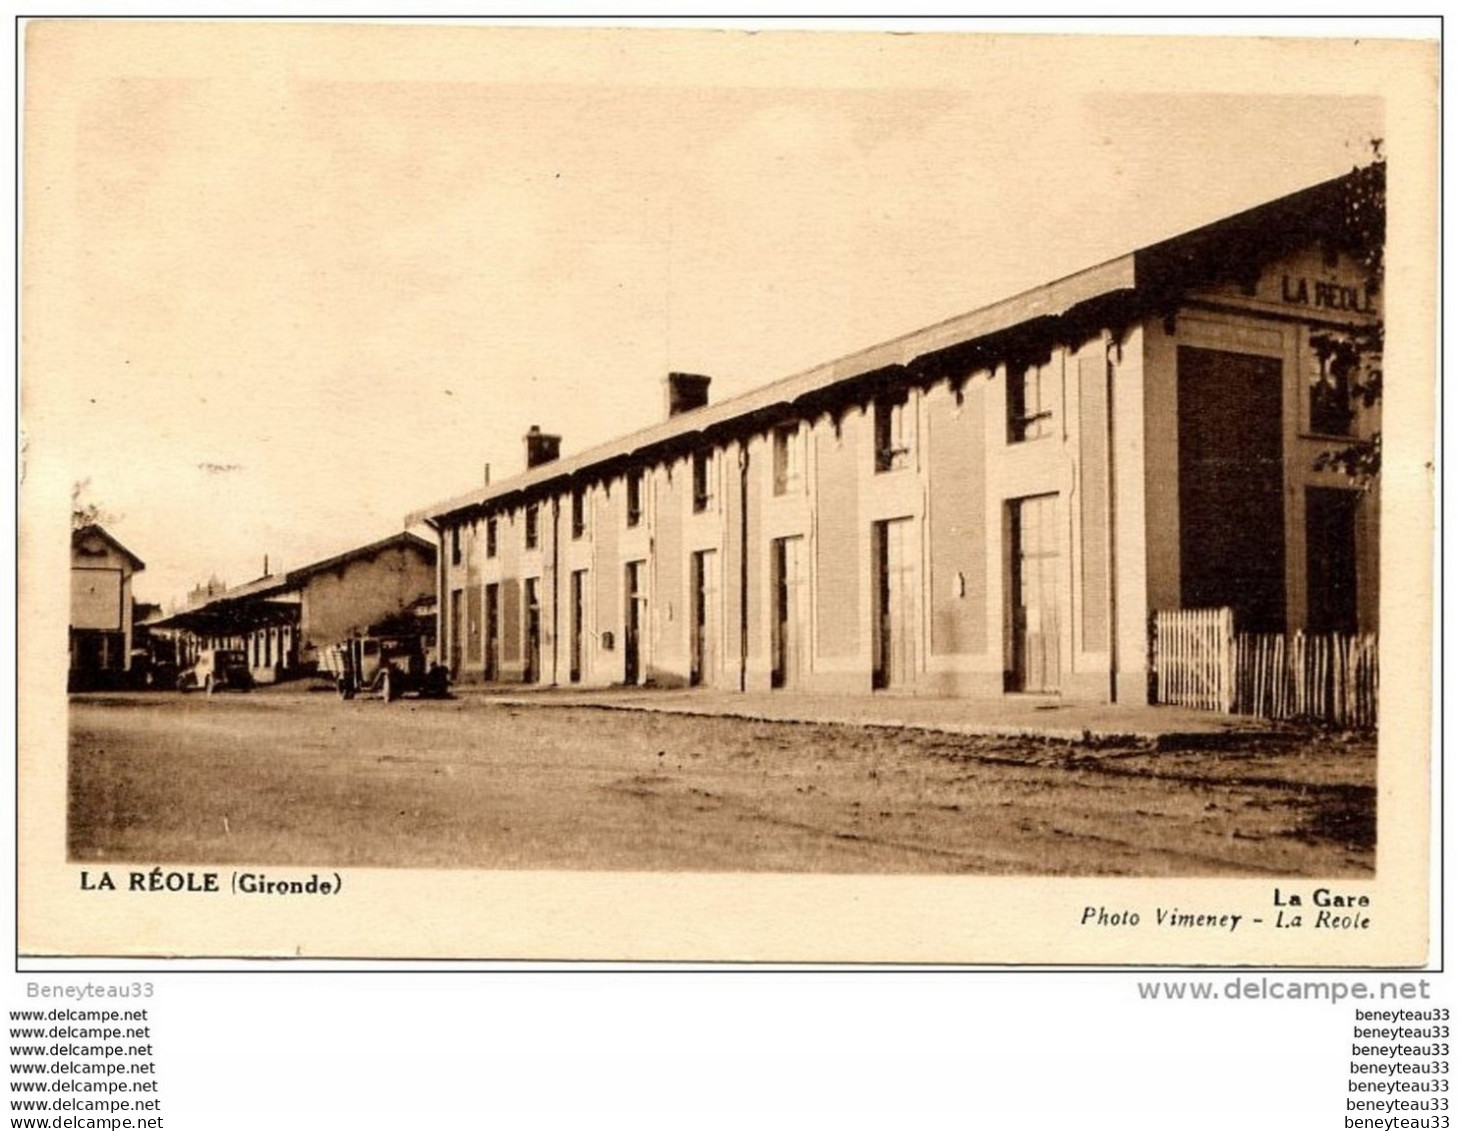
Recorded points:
(712,495)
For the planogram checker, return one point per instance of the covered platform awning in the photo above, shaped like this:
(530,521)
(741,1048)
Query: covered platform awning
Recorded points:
(231,616)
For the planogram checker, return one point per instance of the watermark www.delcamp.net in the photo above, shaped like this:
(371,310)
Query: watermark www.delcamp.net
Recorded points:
(1278,988)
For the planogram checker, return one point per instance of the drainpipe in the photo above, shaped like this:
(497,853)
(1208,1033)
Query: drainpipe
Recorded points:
(1112,355)
(744,461)
(556,548)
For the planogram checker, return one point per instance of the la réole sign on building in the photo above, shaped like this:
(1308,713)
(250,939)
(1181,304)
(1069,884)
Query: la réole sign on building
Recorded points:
(1326,295)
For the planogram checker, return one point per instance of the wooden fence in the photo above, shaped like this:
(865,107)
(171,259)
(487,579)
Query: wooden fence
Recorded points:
(1192,657)
(1329,676)
(1199,660)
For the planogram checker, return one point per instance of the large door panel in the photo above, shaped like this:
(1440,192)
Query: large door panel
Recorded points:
(635,615)
(790,643)
(1035,631)
(705,639)
(896,590)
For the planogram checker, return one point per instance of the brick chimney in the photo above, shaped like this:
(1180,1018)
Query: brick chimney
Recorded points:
(541,448)
(685,392)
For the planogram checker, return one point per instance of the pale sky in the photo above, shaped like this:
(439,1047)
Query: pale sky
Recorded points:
(285,284)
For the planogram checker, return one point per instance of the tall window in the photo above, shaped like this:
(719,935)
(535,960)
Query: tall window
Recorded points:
(455,545)
(787,458)
(491,537)
(893,432)
(1030,402)
(531,526)
(635,497)
(579,511)
(703,480)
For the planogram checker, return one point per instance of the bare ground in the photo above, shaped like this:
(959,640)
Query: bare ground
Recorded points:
(299,779)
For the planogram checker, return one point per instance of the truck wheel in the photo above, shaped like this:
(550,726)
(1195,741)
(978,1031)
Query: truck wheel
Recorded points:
(388,686)
(346,691)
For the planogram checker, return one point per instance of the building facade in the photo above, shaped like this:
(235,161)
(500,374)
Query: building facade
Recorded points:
(996,504)
(102,609)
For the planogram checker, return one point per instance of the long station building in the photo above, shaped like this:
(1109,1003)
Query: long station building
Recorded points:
(995,504)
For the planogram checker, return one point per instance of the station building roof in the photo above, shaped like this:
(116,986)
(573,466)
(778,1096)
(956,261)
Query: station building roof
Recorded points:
(1117,291)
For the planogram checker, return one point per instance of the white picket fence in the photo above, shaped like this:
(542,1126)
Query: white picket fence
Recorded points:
(1193,658)
(1199,660)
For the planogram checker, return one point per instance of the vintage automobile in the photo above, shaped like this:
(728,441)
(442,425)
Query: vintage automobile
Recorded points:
(217,669)
(388,666)
(150,670)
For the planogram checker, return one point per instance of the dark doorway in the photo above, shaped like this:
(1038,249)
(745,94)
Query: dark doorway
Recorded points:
(532,661)
(634,604)
(493,631)
(896,597)
(575,626)
(1232,519)
(1332,560)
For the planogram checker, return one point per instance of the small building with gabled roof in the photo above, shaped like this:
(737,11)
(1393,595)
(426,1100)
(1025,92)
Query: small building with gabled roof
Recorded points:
(101,628)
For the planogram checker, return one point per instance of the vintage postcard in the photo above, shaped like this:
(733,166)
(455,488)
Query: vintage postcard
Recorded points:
(702,494)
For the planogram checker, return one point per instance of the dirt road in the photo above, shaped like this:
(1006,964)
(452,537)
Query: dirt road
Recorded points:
(300,779)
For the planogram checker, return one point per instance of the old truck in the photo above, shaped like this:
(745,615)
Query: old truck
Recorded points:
(386,665)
